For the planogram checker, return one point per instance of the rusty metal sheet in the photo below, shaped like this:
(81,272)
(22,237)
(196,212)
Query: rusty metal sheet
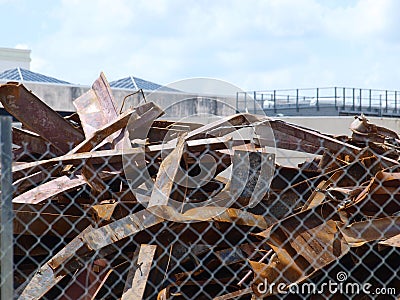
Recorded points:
(25,183)
(144,265)
(96,239)
(394,241)
(319,194)
(110,156)
(38,117)
(163,186)
(91,177)
(103,212)
(303,243)
(234,295)
(314,137)
(77,159)
(158,135)
(47,277)
(318,139)
(42,223)
(31,142)
(359,233)
(252,174)
(50,189)
(365,131)
(222,126)
(285,141)
(142,115)
(96,108)
(380,198)
(169,124)
(88,282)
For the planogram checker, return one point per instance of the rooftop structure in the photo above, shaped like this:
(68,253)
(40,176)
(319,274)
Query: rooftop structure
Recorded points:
(11,58)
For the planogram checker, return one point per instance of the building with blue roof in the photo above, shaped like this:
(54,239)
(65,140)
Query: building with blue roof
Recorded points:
(24,75)
(135,83)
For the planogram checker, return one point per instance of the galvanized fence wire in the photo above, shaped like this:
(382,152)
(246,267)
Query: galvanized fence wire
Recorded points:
(81,233)
(201,216)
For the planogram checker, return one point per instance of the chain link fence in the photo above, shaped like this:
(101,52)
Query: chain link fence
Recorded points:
(133,206)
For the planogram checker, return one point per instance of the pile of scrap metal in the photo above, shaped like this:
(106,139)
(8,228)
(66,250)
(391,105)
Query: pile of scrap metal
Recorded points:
(82,233)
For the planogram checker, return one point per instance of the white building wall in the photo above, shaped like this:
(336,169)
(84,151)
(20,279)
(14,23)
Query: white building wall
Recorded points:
(11,58)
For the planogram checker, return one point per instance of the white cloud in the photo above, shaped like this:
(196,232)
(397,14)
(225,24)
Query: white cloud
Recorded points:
(21,46)
(259,44)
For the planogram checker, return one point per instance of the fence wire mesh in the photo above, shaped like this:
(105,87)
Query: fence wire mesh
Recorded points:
(190,211)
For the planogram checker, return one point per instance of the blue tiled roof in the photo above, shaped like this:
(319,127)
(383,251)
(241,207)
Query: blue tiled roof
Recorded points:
(20,74)
(135,83)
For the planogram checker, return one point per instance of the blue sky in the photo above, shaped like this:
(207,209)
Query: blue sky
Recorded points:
(256,45)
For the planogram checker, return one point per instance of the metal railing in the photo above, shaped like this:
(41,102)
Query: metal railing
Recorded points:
(344,99)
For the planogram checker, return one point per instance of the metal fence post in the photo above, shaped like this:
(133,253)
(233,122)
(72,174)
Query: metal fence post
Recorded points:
(395,102)
(344,98)
(275,101)
(336,106)
(262,100)
(360,100)
(353,108)
(297,100)
(255,100)
(317,99)
(237,102)
(6,239)
(386,101)
(370,100)
(245,101)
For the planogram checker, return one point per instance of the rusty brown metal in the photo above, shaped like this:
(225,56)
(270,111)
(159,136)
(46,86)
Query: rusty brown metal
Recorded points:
(49,190)
(306,218)
(47,277)
(380,198)
(392,242)
(166,177)
(365,131)
(222,126)
(41,222)
(234,295)
(303,243)
(32,143)
(38,117)
(359,233)
(142,115)
(319,140)
(139,281)
(109,156)
(96,108)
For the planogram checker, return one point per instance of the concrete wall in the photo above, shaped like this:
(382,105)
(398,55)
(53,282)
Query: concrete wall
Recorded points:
(177,105)
(57,96)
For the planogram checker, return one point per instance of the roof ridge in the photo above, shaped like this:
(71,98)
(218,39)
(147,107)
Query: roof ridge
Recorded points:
(134,82)
(20,73)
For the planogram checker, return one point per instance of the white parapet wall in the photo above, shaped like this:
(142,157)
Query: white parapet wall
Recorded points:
(11,58)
